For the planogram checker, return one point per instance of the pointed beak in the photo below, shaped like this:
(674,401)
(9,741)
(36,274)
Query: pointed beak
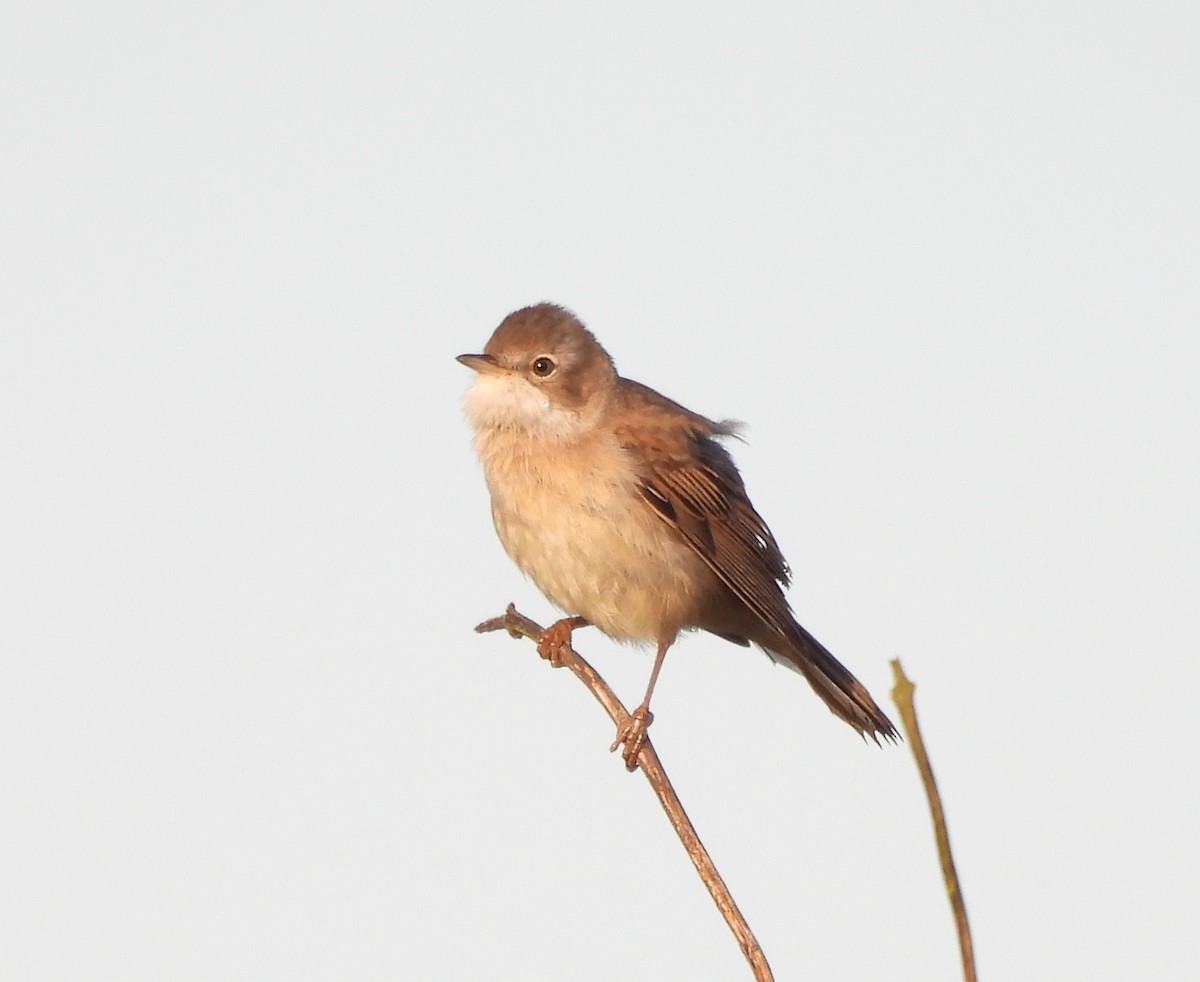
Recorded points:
(483,364)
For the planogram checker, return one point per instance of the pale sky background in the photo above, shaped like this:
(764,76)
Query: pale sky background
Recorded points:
(943,260)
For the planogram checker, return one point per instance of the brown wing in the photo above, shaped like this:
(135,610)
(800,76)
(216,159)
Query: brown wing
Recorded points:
(703,497)
(693,484)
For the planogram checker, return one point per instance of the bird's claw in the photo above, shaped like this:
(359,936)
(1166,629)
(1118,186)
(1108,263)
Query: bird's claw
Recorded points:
(555,638)
(552,641)
(632,734)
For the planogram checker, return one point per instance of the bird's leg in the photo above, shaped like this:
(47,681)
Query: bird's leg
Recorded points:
(632,732)
(556,637)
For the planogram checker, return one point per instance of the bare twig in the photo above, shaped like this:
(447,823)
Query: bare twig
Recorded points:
(518,626)
(902,696)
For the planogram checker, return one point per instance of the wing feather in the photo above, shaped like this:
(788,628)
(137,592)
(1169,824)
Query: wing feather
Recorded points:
(700,493)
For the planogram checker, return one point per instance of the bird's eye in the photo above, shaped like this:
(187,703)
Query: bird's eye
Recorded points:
(544,367)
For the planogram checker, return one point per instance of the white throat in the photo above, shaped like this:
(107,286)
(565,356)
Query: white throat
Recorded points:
(509,402)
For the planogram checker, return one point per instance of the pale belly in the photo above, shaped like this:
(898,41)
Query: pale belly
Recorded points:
(577,525)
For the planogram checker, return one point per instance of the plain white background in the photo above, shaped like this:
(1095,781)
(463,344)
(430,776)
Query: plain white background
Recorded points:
(943,260)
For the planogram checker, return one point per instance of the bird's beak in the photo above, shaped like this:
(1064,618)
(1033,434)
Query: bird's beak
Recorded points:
(483,364)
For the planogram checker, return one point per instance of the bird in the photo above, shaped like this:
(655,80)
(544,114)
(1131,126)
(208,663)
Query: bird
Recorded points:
(629,514)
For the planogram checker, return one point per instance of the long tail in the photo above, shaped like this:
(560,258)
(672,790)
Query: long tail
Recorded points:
(846,697)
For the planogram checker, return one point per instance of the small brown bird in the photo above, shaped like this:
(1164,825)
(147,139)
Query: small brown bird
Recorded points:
(628,513)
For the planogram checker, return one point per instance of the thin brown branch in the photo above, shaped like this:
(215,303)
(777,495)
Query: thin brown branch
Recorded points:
(519,626)
(902,696)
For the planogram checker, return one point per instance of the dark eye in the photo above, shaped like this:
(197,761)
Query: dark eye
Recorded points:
(543,367)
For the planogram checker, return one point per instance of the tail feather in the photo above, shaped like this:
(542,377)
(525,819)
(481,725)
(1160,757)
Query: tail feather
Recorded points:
(846,697)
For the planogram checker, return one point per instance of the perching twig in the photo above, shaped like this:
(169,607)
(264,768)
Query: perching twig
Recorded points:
(902,696)
(518,626)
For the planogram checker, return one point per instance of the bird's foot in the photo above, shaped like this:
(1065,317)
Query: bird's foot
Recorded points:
(632,734)
(557,637)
